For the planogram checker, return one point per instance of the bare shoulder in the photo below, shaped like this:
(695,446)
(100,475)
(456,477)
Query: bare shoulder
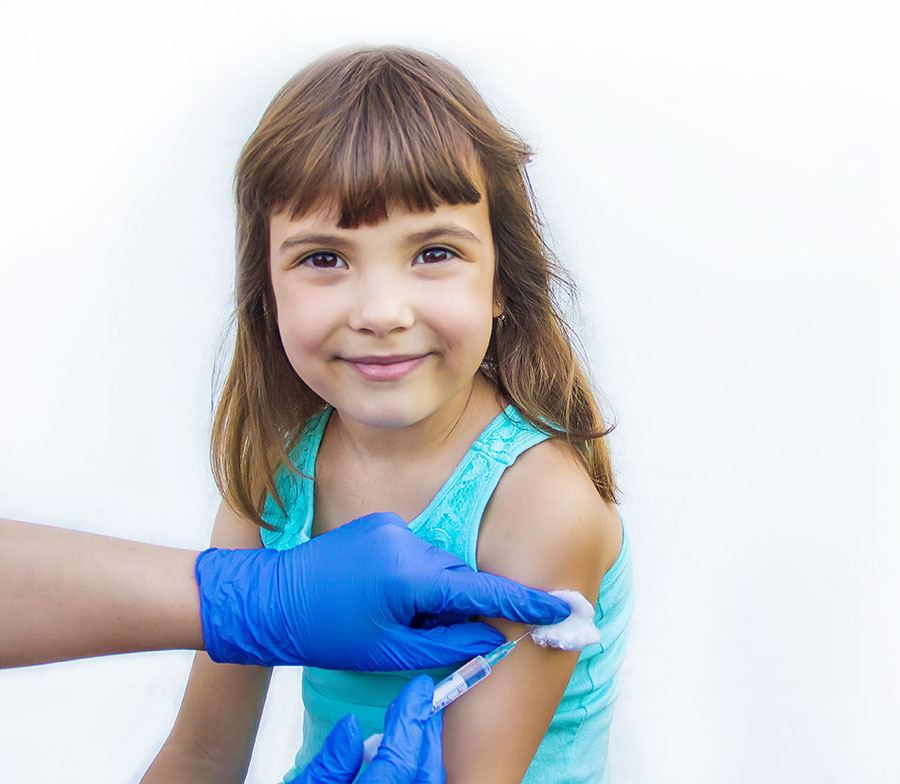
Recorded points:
(547,525)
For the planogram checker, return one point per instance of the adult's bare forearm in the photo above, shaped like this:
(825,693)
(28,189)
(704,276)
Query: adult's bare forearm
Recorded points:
(67,595)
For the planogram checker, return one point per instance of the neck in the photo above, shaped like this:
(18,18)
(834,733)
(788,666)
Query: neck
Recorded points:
(420,442)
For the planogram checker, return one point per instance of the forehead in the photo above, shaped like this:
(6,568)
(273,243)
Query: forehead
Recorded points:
(466,223)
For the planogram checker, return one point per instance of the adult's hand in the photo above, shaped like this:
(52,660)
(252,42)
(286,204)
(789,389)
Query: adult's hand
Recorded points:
(409,754)
(370,595)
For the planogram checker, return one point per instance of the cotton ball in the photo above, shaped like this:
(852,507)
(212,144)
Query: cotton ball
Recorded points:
(575,632)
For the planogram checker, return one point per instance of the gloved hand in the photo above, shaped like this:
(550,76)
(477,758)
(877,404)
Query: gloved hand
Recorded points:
(409,754)
(347,600)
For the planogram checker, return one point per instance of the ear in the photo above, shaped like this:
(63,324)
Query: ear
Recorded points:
(498,308)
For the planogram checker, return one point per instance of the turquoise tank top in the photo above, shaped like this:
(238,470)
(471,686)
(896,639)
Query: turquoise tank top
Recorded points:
(574,750)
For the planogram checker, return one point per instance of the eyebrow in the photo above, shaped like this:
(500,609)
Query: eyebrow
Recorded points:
(442,230)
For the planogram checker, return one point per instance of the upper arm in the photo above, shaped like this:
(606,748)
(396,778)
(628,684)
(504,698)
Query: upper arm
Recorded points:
(545,526)
(222,704)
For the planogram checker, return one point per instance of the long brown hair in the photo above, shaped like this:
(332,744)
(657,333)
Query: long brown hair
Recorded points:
(365,129)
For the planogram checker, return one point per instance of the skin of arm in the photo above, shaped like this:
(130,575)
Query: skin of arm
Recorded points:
(67,594)
(213,736)
(547,526)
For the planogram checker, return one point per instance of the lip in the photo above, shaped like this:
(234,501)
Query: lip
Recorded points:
(386,368)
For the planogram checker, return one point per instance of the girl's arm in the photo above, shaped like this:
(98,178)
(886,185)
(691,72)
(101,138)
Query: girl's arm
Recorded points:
(548,527)
(67,594)
(213,735)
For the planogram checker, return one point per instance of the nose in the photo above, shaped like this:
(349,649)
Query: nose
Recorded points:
(382,303)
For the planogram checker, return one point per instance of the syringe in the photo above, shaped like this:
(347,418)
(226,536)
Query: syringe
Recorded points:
(454,686)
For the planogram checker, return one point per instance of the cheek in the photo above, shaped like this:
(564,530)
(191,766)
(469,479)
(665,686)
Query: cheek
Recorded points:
(302,322)
(464,319)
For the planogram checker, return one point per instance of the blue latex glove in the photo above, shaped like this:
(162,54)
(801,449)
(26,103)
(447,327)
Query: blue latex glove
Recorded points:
(370,595)
(409,754)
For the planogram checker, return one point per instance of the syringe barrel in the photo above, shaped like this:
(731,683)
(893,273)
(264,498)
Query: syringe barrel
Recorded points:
(454,685)
(459,682)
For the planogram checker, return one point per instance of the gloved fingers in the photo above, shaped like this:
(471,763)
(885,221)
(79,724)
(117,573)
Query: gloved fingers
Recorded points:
(398,756)
(428,621)
(444,645)
(340,758)
(480,593)
(431,761)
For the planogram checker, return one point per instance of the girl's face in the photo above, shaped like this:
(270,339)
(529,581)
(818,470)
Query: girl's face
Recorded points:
(388,323)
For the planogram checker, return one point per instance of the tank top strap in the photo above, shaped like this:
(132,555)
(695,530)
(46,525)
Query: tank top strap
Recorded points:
(453,518)
(294,525)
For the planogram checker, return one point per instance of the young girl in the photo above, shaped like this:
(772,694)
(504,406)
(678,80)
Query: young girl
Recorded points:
(398,348)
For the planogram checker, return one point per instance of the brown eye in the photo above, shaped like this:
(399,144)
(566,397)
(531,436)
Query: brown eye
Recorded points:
(324,261)
(436,255)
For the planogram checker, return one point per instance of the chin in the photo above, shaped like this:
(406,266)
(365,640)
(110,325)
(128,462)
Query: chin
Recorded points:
(395,414)
(389,419)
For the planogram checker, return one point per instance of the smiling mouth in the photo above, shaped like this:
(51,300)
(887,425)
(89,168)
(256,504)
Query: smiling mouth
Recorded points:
(388,359)
(390,368)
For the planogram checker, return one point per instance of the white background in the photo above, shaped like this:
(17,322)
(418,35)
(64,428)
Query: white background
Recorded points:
(721,178)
